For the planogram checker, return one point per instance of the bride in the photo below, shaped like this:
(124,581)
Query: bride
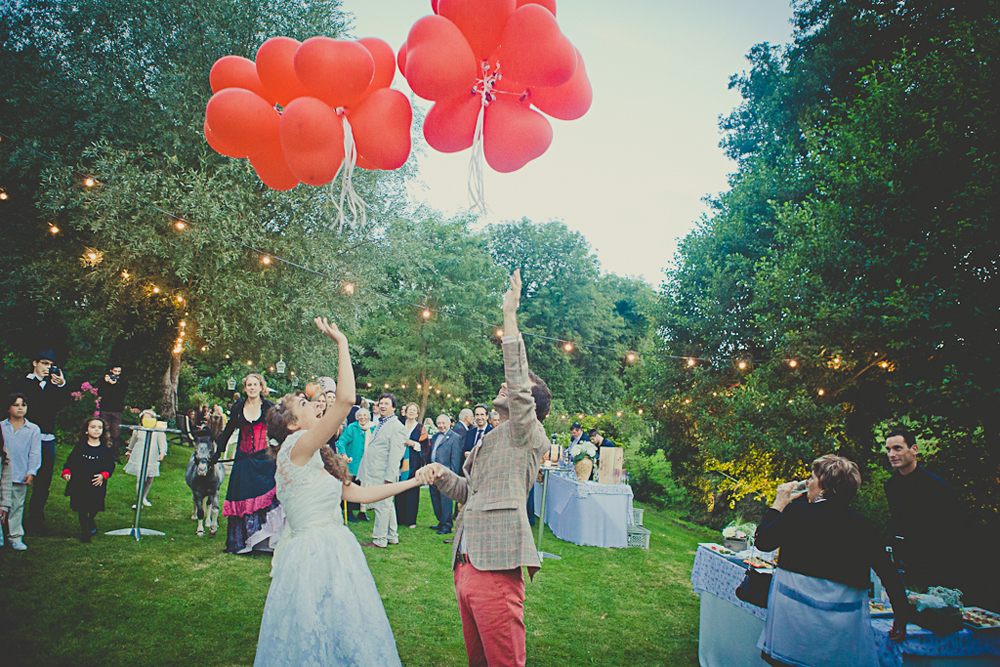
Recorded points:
(322,607)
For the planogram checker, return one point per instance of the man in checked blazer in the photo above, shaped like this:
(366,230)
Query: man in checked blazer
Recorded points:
(492,538)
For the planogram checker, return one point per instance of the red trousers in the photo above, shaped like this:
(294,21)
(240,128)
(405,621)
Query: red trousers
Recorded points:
(492,609)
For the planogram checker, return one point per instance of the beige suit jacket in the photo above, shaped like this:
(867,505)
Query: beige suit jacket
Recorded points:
(384,453)
(498,476)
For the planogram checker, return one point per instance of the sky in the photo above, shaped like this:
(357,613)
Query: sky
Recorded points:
(632,173)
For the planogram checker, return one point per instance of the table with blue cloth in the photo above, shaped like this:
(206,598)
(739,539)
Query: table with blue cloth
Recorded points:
(729,628)
(586,513)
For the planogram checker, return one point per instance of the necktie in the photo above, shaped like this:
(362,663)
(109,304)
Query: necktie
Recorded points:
(479,436)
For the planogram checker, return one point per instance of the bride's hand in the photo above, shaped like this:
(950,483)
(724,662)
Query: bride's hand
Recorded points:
(330,330)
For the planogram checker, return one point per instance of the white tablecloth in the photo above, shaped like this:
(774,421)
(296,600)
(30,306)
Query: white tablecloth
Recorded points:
(586,513)
(727,639)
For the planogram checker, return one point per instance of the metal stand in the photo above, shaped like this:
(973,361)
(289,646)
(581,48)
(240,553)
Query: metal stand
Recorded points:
(135,530)
(541,517)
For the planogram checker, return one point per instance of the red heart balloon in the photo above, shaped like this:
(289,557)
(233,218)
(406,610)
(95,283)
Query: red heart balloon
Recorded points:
(218,145)
(312,139)
(334,70)
(385,65)
(272,169)
(535,52)
(241,120)
(236,72)
(439,60)
(450,125)
(481,21)
(513,135)
(548,4)
(276,70)
(381,127)
(568,101)
(362,163)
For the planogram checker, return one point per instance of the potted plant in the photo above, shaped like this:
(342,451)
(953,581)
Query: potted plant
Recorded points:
(583,454)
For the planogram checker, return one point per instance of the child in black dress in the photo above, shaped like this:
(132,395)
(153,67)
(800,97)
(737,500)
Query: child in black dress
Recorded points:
(87,471)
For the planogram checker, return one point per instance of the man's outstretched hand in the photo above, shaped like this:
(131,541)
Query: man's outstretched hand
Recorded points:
(512,297)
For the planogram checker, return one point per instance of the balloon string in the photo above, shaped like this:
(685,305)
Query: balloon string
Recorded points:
(348,195)
(477,183)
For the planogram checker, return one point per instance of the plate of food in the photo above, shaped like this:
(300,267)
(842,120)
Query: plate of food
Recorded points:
(980,619)
(758,563)
(717,548)
(879,609)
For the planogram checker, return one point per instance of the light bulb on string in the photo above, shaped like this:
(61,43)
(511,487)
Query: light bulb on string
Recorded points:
(619,413)
(640,411)
(690,361)
(631,356)
(821,392)
(183,323)
(3,195)
(266,259)
(90,182)
(180,299)
(499,333)
(180,224)
(793,363)
(125,275)
(742,365)
(53,229)
(427,314)
(568,346)
(156,290)
(349,288)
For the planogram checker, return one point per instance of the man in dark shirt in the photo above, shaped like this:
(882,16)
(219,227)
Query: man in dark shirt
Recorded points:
(925,516)
(111,389)
(46,394)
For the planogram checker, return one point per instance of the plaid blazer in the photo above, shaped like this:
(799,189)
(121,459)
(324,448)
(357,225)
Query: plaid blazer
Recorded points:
(498,476)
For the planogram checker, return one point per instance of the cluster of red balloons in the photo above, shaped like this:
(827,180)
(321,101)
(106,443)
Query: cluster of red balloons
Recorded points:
(325,87)
(501,58)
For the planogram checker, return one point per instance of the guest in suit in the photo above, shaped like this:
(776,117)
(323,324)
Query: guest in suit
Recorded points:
(577,435)
(380,465)
(447,450)
(822,577)
(481,426)
(46,394)
(492,537)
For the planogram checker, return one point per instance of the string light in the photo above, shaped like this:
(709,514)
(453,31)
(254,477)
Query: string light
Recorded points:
(619,413)
(204,348)
(156,290)
(883,364)
(499,333)
(821,392)
(3,195)
(53,229)
(125,275)
(183,323)
(265,259)
(180,299)
(568,347)
(90,182)
(742,365)
(180,224)
(793,363)
(427,314)
(631,356)
(690,361)
(349,288)
(640,411)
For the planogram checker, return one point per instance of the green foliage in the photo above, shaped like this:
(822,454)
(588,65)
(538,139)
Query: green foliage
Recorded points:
(856,241)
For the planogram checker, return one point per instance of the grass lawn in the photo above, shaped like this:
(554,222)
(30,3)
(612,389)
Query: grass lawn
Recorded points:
(179,600)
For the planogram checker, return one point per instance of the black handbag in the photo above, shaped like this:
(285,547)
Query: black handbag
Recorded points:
(754,588)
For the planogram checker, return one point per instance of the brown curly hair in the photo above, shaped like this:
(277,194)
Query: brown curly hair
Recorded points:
(105,433)
(278,419)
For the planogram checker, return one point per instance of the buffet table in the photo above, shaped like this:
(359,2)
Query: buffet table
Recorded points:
(586,513)
(730,628)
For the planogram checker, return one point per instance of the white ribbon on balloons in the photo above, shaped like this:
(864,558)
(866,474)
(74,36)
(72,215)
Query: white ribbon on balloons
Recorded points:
(477,185)
(348,195)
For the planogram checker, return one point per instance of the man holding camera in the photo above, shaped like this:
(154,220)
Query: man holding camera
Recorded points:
(111,390)
(45,390)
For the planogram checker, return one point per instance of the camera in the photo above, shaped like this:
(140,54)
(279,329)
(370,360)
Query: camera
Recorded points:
(54,371)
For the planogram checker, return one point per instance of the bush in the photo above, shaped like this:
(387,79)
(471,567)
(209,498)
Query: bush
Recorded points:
(651,480)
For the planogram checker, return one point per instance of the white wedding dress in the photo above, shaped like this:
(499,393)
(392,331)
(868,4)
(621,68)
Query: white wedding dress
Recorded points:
(322,608)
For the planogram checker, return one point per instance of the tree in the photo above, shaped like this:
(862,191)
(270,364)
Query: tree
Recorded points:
(117,92)
(855,242)
(439,265)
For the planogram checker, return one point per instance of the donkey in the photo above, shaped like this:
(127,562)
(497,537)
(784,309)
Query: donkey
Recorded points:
(205,479)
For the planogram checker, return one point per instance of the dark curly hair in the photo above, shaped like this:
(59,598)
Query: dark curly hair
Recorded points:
(279,418)
(105,433)
(543,397)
